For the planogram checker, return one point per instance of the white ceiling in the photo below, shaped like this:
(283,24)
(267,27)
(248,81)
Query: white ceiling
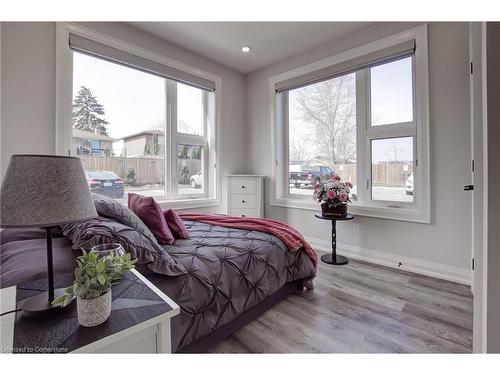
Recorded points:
(270,41)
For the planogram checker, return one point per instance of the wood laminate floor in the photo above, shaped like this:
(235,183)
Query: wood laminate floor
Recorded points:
(363,308)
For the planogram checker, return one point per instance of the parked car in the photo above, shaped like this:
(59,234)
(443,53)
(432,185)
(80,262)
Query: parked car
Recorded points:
(409,185)
(196,180)
(105,183)
(311,175)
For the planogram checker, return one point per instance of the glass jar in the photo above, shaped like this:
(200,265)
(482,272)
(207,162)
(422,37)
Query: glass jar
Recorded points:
(108,249)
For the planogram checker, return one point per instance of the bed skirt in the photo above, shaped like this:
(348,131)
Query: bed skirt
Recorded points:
(205,343)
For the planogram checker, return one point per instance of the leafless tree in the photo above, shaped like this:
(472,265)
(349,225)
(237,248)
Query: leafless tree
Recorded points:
(330,107)
(394,152)
(296,150)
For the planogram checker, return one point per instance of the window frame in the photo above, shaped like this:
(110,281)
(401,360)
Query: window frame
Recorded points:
(419,209)
(212,108)
(386,131)
(177,138)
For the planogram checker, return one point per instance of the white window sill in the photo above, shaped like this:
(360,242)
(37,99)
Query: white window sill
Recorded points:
(182,204)
(402,214)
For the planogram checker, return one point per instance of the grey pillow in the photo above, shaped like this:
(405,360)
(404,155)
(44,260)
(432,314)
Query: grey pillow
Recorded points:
(21,234)
(87,234)
(108,207)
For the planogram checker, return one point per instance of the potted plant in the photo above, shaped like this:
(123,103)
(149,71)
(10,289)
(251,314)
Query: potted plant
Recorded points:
(94,276)
(333,196)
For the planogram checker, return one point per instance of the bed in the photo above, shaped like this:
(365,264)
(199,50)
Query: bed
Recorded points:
(221,277)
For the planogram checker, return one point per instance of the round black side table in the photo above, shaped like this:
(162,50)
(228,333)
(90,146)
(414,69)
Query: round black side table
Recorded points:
(333,258)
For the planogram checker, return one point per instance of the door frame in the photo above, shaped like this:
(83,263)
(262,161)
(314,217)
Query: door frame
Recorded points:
(479,198)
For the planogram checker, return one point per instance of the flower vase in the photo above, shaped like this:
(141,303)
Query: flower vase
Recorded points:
(334,211)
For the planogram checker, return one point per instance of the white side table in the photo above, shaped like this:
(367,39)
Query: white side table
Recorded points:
(245,195)
(139,323)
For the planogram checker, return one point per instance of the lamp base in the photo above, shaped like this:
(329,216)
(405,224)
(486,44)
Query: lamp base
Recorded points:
(40,304)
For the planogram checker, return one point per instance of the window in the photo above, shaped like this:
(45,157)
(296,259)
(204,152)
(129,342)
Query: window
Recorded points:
(189,110)
(190,141)
(392,166)
(120,112)
(322,133)
(391,93)
(363,118)
(323,121)
(139,126)
(190,169)
(390,153)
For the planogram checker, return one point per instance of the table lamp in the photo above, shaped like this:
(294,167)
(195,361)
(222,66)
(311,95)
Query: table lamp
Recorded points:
(44,191)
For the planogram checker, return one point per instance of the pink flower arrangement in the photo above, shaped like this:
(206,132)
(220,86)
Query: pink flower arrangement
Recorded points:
(331,194)
(334,192)
(343,196)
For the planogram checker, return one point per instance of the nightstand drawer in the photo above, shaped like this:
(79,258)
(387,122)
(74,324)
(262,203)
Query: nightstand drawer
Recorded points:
(141,342)
(243,201)
(243,186)
(242,212)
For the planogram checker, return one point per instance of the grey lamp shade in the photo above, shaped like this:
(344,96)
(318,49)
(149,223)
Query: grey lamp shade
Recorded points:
(44,190)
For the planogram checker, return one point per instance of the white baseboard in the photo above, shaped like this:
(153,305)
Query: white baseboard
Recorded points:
(438,270)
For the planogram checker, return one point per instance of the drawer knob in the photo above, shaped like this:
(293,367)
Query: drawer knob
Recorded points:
(243,187)
(242,215)
(243,201)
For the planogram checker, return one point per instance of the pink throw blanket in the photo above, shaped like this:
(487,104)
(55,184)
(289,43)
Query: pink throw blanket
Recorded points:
(292,239)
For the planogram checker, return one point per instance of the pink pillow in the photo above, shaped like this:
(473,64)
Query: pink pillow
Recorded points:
(176,225)
(151,214)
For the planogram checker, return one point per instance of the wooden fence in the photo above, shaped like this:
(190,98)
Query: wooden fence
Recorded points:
(391,174)
(386,174)
(150,170)
(347,172)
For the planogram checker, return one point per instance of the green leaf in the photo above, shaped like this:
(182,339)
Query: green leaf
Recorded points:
(101,279)
(100,266)
(69,290)
(58,301)
(67,300)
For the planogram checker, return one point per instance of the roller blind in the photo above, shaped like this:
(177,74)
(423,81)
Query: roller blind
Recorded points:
(369,60)
(93,48)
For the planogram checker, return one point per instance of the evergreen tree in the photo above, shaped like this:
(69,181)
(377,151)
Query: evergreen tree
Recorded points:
(88,113)
(152,147)
(183,154)
(196,153)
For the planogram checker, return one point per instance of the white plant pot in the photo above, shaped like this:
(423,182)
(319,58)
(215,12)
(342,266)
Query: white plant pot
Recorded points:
(92,312)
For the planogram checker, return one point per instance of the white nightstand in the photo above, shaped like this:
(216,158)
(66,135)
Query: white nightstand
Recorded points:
(245,195)
(139,323)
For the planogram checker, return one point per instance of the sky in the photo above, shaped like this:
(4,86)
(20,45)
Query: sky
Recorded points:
(391,96)
(391,92)
(133,100)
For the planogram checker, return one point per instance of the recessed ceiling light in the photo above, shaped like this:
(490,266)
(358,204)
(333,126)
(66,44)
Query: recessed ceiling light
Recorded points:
(246,49)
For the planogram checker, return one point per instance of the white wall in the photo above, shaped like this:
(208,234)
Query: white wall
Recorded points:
(28,58)
(441,248)
(28,90)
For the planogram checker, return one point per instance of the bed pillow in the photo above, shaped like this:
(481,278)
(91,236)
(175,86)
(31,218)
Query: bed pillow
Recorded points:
(175,224)
(151,214)
(87,234)
(111,208)
(22,234)
(26,260)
